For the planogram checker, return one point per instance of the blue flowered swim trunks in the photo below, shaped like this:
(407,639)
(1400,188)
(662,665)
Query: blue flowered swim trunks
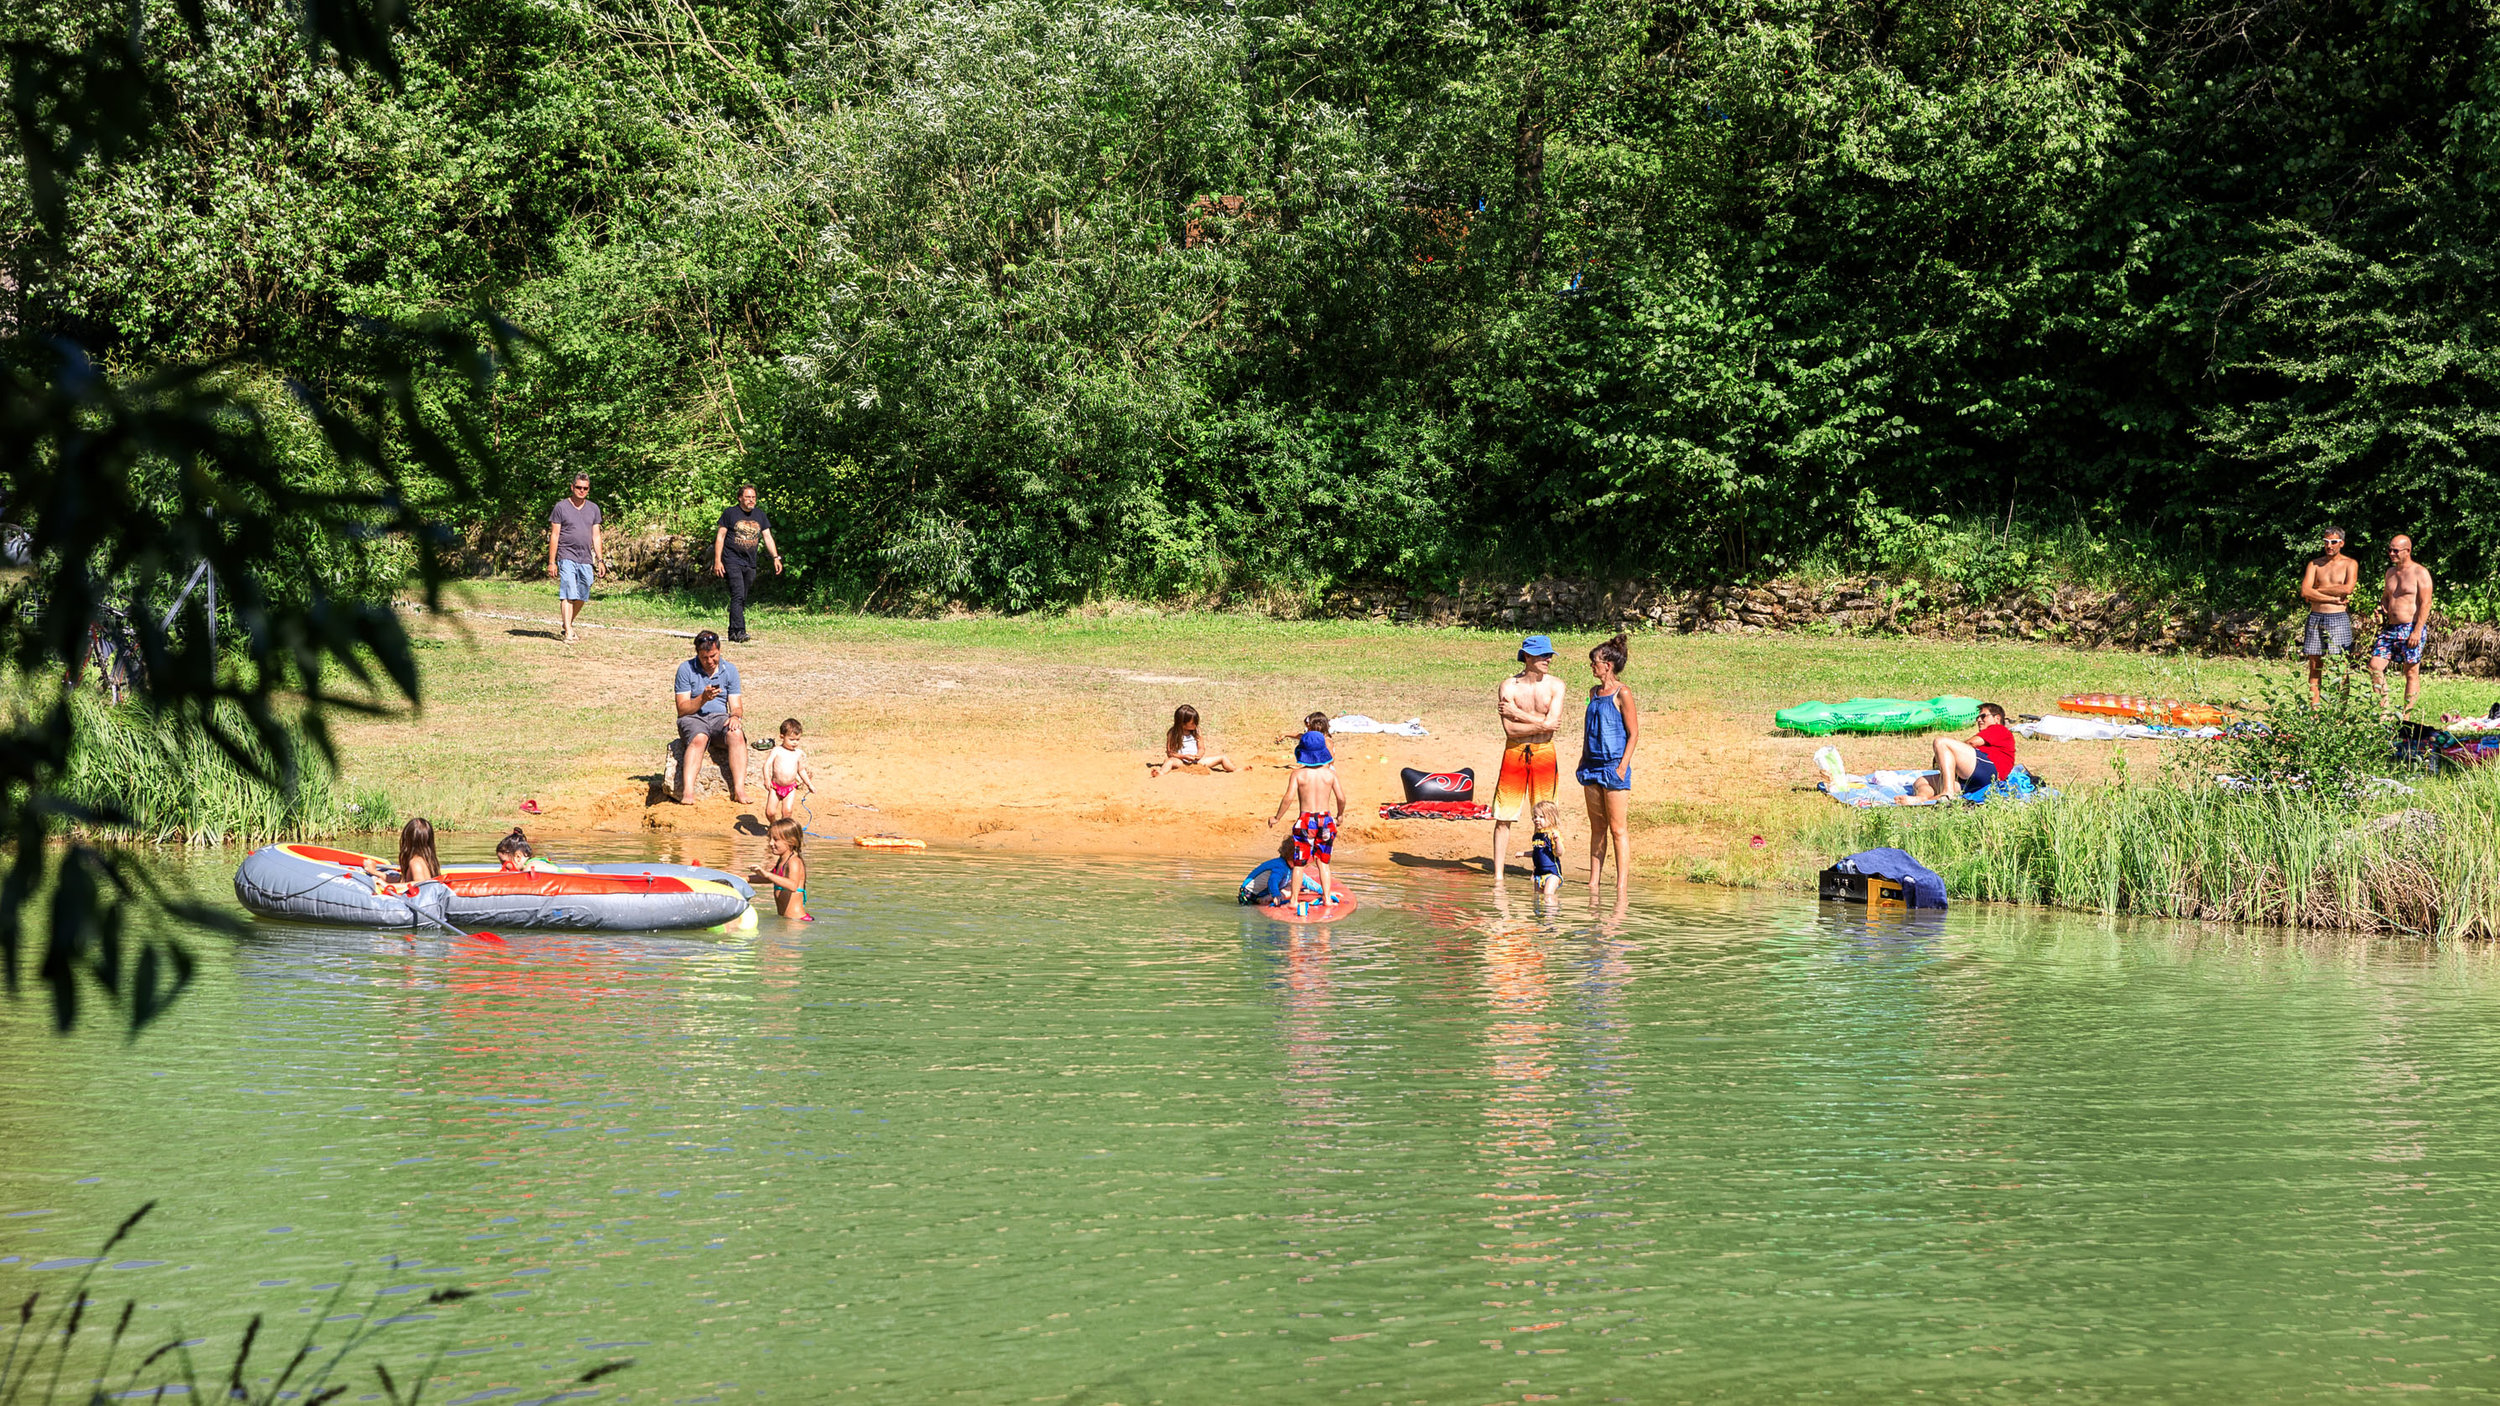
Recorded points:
(2396,645)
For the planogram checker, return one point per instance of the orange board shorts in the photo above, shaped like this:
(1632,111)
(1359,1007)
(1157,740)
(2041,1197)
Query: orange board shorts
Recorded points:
(1528,776)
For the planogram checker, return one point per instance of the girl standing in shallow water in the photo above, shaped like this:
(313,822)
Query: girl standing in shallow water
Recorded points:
(1609,732)
(788,872)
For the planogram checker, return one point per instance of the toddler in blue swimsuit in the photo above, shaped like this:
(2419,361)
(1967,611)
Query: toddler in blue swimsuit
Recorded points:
(1546,853)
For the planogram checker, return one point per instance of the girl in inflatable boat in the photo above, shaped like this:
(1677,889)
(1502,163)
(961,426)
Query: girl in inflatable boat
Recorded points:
(417,864)
(513,852)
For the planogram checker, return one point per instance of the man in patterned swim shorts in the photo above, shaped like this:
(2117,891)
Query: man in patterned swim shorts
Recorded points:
(2405,620)
(1531,704)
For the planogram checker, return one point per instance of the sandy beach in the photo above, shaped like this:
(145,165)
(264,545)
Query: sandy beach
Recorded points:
(1036,733)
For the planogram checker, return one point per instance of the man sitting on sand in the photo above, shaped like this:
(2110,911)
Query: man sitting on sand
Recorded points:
(1531,704)
(709,706)
(2327,586)
(1313,794)
(2404,620)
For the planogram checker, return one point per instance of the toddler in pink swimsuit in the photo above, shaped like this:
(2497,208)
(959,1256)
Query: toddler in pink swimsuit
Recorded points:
(786,774)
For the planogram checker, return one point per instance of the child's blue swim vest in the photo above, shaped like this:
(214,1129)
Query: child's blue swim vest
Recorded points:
(1270,878)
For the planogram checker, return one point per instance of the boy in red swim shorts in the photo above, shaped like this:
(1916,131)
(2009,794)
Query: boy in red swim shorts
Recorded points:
(1314,794)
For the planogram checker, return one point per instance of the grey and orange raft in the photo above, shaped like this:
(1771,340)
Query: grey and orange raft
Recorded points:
(318,884)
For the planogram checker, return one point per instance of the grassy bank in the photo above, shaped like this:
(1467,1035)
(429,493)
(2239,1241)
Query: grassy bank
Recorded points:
(2416,864)
(177,787)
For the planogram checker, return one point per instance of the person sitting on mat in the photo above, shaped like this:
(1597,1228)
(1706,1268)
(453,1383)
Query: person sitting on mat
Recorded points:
(1181,746)
(788,872)
(1314,794)
(1267,883)
(1545,854)
(786,774)
(417,864)
(1975,765)
(513,852)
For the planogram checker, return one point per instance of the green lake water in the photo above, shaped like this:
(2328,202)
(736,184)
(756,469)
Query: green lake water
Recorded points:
(1008,1129)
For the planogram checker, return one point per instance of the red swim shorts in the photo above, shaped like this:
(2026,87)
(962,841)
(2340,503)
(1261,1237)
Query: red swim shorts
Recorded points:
(1314,837)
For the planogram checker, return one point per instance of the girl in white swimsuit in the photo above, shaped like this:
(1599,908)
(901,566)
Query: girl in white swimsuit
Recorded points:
(1180,745)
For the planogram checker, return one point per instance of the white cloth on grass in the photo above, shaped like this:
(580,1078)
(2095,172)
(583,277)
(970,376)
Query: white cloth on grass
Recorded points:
(1356,722)
(2097,730)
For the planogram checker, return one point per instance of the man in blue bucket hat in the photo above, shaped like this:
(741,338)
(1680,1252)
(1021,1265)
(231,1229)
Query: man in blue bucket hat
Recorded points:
(1531,704)
(1312,792)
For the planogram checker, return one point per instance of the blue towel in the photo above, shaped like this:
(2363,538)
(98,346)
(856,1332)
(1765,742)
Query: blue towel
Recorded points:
(1924,887)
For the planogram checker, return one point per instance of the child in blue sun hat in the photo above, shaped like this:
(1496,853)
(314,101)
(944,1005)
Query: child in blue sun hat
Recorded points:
(1315,796)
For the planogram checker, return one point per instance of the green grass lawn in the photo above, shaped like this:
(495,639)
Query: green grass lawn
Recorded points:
(1747,676)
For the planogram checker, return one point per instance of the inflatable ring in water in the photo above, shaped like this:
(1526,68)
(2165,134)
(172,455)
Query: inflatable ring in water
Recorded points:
(889,842)
(319,884)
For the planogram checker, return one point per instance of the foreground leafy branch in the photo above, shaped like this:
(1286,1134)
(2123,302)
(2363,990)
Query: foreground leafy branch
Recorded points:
(127,483)
(46,1351)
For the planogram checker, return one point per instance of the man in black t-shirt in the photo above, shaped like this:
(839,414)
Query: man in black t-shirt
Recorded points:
(742,528)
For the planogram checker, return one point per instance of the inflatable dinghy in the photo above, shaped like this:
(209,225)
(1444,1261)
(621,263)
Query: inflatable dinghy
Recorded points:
(318,884)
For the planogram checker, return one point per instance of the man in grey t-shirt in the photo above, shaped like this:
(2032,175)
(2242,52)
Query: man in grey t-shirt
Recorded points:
(573,550)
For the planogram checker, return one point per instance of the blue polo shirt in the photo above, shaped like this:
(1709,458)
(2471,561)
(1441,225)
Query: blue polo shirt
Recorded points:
(691,681)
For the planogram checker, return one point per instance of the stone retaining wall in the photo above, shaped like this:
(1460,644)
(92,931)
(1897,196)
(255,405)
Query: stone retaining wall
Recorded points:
(1865,606)
(650,556)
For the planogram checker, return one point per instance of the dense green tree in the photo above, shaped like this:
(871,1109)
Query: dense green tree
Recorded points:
(1025,300)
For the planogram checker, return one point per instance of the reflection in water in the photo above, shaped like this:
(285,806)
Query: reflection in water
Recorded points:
(1313,1048)
(1462,1147)
(1521,1100)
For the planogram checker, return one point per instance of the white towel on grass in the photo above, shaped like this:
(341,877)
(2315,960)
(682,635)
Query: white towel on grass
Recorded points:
(1356,722)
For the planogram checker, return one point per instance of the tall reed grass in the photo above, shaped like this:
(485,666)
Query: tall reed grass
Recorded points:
(60,1353)
(2419,864)
(177,787)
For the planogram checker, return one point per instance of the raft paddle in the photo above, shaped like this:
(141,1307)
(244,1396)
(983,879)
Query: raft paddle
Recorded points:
(474,936)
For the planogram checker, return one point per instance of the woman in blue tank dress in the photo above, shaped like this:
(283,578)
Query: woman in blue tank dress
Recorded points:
(1608,734)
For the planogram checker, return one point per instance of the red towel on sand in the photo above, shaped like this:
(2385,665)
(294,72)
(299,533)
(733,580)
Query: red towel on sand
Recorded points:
(1435,810)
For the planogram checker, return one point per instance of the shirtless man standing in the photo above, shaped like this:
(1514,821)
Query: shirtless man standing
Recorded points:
(2327,586)
(2404,620)
(1531,704)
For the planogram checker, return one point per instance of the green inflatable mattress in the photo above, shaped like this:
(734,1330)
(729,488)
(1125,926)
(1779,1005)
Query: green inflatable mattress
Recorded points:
(1819,719)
